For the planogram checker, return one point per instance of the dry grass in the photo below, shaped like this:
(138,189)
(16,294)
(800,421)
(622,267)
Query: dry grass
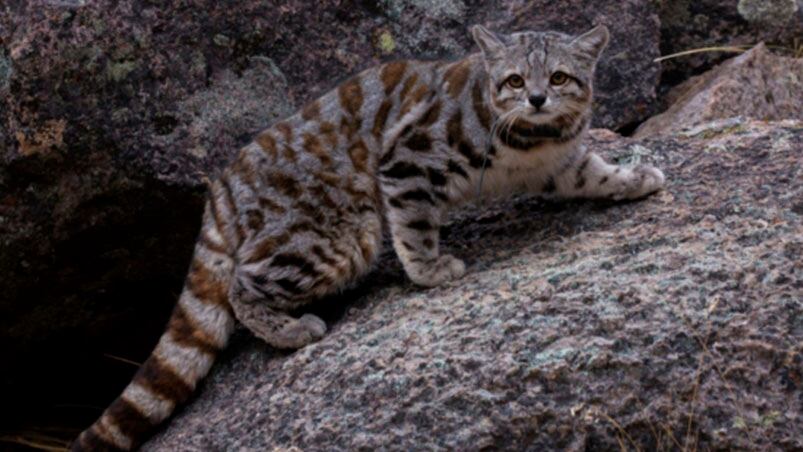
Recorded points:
(707,353)
(122,360)
(691,438)
(796,50)
(621,434)
(52,440)
(732,49)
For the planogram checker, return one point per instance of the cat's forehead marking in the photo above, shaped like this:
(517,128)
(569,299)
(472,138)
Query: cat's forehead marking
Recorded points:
(538,52)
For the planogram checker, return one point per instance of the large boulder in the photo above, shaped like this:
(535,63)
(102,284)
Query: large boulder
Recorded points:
(675,322)
(756,85)
(113,113)
(696,24)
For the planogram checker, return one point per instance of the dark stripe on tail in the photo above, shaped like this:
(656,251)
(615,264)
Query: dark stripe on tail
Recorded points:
(200,325)
(162,381)
(129,419)
(90,440)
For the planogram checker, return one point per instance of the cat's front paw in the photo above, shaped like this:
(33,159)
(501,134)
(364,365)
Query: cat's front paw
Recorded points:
(645,180)
(445,268)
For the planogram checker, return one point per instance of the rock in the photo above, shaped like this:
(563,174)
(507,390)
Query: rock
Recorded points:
(756,85)
(677,319)
(113,114)
(695,24)
(338,41)
(769,13)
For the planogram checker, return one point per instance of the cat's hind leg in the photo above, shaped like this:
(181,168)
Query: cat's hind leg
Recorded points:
(277,328)
(309,264)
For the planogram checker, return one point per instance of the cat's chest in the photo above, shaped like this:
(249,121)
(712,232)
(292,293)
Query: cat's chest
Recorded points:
(514,170)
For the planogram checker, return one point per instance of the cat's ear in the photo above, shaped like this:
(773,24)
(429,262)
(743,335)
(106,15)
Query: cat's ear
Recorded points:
(593,41)
(489,43)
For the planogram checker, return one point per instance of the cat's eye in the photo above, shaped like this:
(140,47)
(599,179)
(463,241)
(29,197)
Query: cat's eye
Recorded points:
(515,81)
(558,78)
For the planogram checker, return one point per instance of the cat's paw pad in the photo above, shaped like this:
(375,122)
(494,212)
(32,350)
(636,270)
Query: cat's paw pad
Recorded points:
(303,331)
(314,325)
(455,267)
(290,333)
(444,268)
(646,179)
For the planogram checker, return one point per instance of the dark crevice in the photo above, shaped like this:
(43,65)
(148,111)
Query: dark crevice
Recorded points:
(629,129)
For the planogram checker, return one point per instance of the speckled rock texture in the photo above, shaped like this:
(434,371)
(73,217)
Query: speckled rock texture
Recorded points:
(675,322)
(694,24)
(756,85)
(112,114)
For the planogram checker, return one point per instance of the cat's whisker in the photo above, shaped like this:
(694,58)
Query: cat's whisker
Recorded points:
(513,119)
(494,128)
(500,121)
(506,118)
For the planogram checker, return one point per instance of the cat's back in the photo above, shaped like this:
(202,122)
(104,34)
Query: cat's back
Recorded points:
(334,144)
(345,128)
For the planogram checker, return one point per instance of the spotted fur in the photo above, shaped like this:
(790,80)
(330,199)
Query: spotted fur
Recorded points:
(300,212)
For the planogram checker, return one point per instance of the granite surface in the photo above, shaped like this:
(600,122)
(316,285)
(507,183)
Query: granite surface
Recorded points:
(674,322)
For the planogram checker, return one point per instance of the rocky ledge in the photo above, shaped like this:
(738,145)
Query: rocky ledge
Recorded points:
(669,323)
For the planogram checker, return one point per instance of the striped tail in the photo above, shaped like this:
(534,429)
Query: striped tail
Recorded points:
(199,328)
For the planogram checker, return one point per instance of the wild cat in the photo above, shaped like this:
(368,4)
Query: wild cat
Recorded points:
(300,212)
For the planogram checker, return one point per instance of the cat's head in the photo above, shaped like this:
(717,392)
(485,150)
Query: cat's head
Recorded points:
(540,77)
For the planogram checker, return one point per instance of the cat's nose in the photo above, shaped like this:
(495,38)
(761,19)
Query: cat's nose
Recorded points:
(537,100)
